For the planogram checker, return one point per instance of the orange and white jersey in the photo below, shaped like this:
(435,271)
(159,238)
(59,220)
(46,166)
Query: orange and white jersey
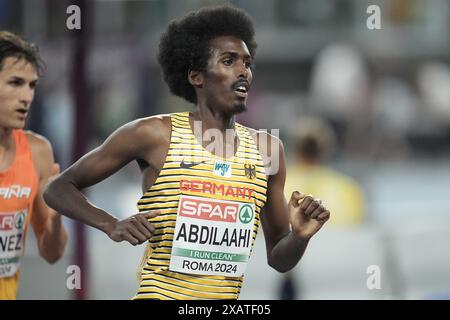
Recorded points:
(18,187)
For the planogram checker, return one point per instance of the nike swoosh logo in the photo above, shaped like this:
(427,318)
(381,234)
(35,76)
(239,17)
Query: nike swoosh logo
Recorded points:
(187,165)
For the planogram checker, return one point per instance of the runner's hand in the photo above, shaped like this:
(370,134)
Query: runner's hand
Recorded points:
(135,229)
(307,214)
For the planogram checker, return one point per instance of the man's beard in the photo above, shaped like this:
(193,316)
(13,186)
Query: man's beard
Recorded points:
(240,107)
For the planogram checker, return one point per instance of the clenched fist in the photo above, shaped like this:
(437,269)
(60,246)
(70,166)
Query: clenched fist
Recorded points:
(307,215)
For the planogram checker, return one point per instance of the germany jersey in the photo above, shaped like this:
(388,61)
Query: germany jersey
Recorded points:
(209,218)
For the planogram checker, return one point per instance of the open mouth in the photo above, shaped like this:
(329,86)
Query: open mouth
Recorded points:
(242,90)
(22,112)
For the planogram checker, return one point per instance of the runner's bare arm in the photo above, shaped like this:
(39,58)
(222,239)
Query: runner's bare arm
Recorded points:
(288,227)
(47,225)
(140,139)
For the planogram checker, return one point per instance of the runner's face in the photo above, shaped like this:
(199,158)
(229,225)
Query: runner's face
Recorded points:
(228,74)
(18,79)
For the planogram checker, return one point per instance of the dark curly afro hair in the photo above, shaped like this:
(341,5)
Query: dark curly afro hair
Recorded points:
(184,45)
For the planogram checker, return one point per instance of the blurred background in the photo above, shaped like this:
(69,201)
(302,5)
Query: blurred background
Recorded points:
(364,115)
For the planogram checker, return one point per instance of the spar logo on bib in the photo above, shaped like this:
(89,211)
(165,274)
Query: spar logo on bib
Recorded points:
(246,214)
(9,221)
(209,209)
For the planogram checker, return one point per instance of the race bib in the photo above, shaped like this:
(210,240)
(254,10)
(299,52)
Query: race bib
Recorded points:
(212,237)
(12,233)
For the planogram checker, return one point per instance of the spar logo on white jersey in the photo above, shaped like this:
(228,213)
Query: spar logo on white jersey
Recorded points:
(15,191)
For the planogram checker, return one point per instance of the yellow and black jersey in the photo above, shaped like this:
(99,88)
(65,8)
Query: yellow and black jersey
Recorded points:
(209,218)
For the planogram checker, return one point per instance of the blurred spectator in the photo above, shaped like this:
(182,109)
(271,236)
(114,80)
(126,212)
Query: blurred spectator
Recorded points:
(340,92)
(434,85)
(433,81)
(431,131)
(339,81)
(314,141)
(394,114)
